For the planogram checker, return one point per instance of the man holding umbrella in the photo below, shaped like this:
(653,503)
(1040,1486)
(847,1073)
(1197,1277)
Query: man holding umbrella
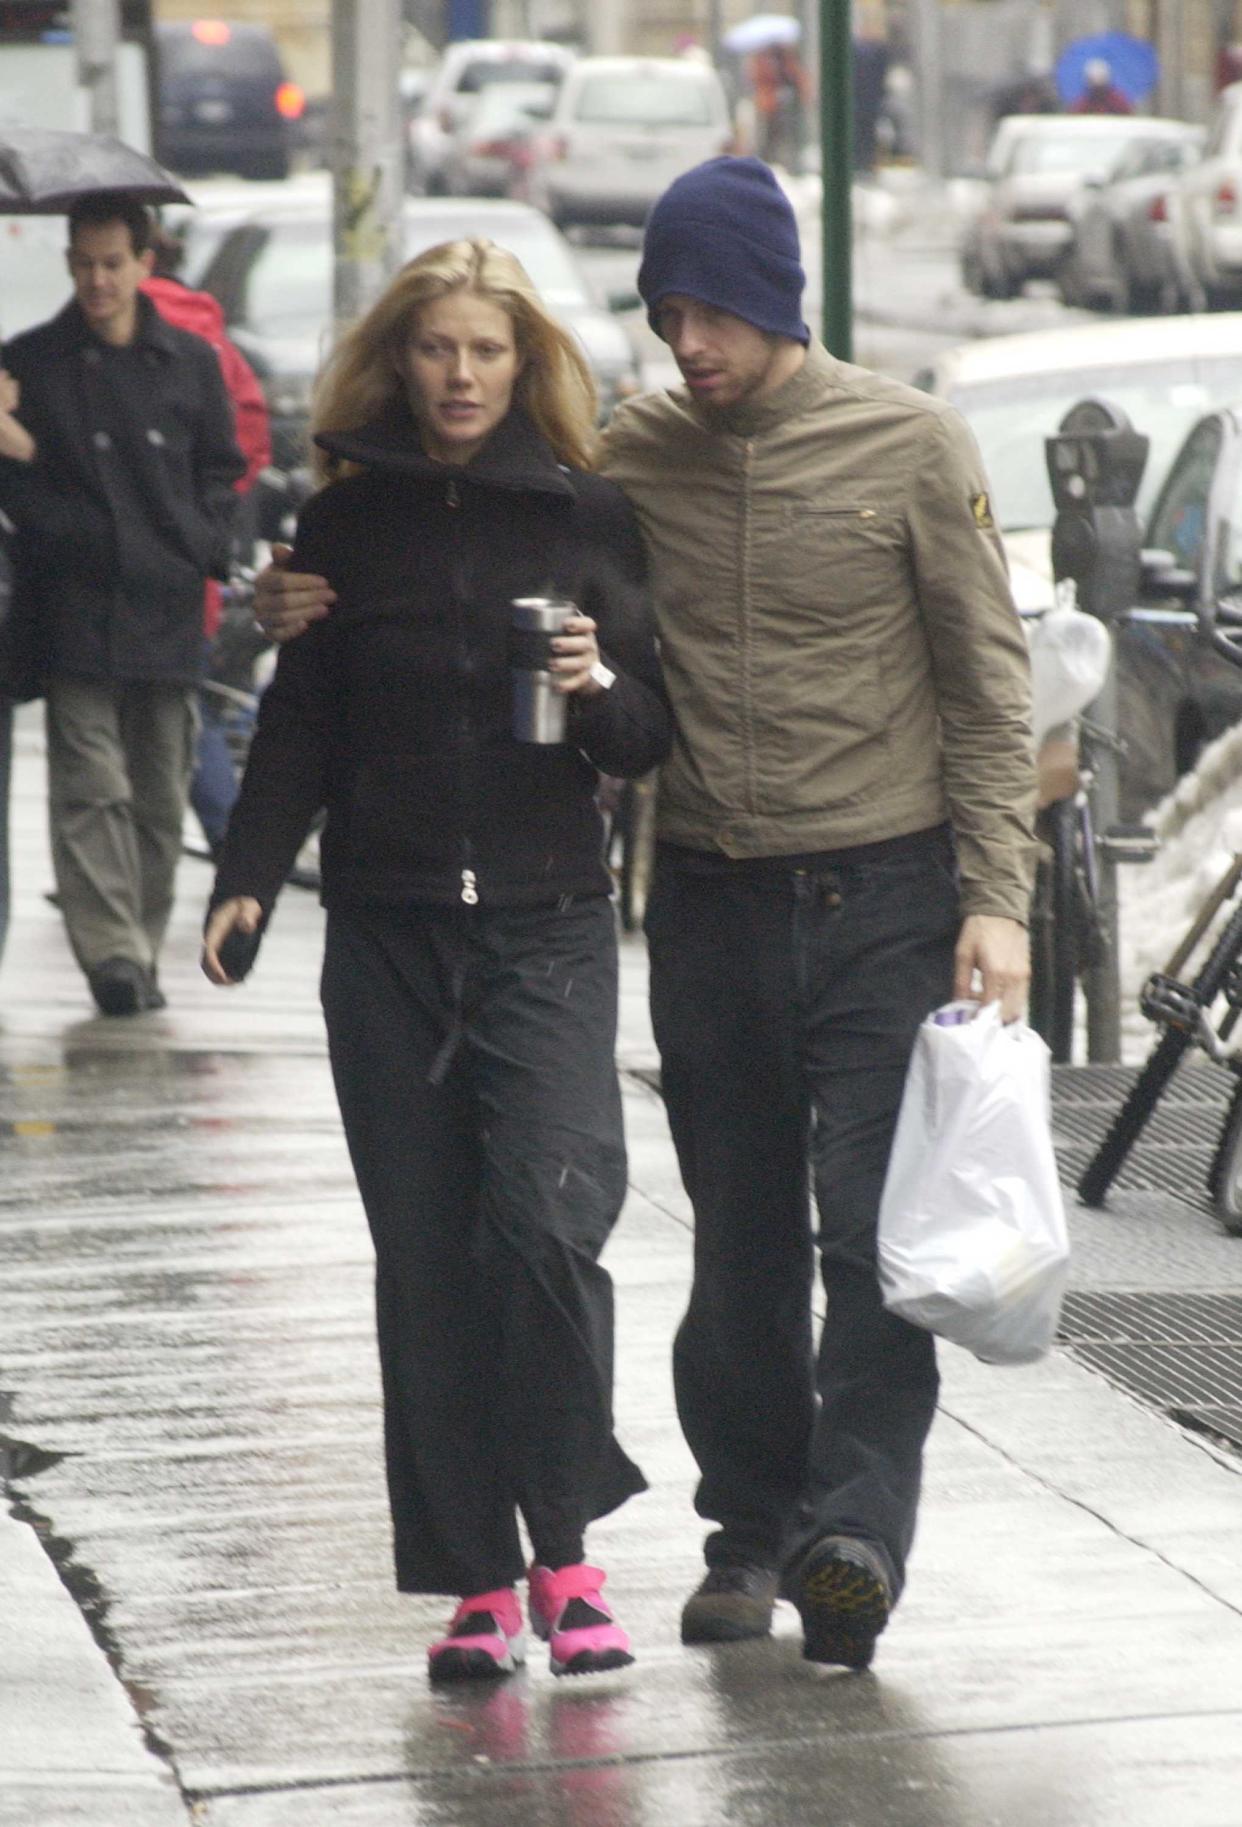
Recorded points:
(117,464)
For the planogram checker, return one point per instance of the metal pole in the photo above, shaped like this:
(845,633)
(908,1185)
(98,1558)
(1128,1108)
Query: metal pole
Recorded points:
(836,141)
(367,161)
(930,59)
(1102,979)
(97,36)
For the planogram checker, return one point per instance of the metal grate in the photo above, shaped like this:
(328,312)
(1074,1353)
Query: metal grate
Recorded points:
(1182,1352)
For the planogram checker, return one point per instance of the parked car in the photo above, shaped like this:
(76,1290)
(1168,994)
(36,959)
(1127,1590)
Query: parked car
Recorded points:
(489,152)
(1014,391)
(1123,256)
(1035,164)
(273,277)
(1208,202)
(622,129)
(224,101)
(467,68)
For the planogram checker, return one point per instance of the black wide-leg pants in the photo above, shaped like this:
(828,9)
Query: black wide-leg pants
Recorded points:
(785,999)
(473,1055)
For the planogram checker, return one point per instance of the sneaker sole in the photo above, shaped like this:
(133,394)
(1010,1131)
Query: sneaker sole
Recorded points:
(722,1630)
(843,1608)
(592,1662)
(469,1665)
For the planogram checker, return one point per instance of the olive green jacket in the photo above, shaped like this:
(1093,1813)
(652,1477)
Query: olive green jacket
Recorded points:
(840,645)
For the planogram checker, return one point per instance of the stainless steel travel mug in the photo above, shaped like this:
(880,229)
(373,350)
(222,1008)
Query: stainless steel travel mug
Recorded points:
(538,708)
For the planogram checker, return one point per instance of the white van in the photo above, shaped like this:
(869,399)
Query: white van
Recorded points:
(622,129)
(469,66)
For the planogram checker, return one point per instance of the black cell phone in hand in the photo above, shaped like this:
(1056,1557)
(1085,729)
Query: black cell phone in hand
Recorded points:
(238,951)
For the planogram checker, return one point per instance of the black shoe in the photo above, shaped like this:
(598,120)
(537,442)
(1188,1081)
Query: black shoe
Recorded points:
(120,986)
(154,996)
(734,1602)
(844,1596)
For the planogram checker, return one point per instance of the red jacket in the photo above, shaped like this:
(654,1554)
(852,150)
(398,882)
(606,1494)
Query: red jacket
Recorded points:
(199,313)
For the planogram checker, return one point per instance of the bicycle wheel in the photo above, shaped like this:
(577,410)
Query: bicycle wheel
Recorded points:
(1131,1119)
(1225,1173)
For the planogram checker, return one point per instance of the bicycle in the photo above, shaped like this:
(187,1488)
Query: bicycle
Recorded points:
(1183,1010)
(1073,905)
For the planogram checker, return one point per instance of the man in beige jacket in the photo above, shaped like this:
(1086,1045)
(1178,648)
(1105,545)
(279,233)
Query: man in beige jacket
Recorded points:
(844,842)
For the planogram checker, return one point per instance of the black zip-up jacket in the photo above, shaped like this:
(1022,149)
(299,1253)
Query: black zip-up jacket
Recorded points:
(394,711)
(129,504)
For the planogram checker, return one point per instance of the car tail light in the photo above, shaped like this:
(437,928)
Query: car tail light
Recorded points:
(290,101)
(1226,198)
(1158,209)
(492,149)
(211,31)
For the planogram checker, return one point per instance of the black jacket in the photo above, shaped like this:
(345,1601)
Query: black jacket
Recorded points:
(129,503)
(394,711)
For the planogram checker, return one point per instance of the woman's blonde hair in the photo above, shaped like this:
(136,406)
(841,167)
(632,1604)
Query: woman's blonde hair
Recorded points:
(364,378)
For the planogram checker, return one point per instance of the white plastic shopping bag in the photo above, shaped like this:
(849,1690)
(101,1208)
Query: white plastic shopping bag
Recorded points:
(972,1237)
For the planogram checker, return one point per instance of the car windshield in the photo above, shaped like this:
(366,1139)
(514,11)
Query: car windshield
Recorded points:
(1012,417)
(648,101)
(1040,153)
(289,291)
(489,70)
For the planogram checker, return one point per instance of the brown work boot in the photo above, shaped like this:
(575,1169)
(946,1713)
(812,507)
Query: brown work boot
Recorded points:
(735,1601)
(844,1595)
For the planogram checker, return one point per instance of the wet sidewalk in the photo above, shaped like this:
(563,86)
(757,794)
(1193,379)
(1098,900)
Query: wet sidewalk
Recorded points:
(197,1623)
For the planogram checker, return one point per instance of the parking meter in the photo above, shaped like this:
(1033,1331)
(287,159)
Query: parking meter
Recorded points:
(1095,464)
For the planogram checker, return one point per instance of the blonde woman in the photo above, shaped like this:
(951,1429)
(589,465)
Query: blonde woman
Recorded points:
(469,978)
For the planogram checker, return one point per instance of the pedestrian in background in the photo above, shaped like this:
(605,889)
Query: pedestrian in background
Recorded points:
(470,968)
(780,87)
(1100,94)
(844,841)
(123,505)
(213,784)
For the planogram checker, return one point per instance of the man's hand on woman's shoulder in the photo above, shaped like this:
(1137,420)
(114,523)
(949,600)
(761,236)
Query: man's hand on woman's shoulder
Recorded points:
(287,602)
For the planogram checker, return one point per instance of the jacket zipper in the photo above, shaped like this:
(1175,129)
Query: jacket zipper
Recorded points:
(469,891)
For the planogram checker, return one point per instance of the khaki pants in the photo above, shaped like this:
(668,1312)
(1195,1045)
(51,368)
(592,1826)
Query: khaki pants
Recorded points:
(119,762)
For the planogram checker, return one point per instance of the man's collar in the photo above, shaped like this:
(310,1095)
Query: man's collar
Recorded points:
(803,389)
(151,330)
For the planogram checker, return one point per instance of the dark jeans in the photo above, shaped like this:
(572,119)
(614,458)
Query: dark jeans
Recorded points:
(472,1051)
(785,999)
(213,784)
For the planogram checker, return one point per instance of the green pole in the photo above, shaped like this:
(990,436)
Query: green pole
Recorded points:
(836,142)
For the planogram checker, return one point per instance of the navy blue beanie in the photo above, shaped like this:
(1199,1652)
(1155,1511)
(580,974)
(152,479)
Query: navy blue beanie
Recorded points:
(724,233)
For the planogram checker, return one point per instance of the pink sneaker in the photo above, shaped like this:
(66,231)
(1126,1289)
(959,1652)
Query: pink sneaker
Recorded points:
(483,1640)
(568,1611)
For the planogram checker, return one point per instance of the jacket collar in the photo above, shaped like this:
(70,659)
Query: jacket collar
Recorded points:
(516,456)
(151,331)
(797,395)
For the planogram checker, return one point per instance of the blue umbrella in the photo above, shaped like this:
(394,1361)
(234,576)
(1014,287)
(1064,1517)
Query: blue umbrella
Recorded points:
(1132,62)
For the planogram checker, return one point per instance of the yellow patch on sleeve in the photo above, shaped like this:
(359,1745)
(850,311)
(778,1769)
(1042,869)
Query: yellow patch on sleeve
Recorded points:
(981,508)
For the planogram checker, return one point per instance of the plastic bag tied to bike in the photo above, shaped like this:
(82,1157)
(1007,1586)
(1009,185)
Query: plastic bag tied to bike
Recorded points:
(973,1243)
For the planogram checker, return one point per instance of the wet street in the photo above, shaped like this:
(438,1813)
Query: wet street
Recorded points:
(189,1405)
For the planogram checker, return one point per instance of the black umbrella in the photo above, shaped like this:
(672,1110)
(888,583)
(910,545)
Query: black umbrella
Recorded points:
(44,172)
